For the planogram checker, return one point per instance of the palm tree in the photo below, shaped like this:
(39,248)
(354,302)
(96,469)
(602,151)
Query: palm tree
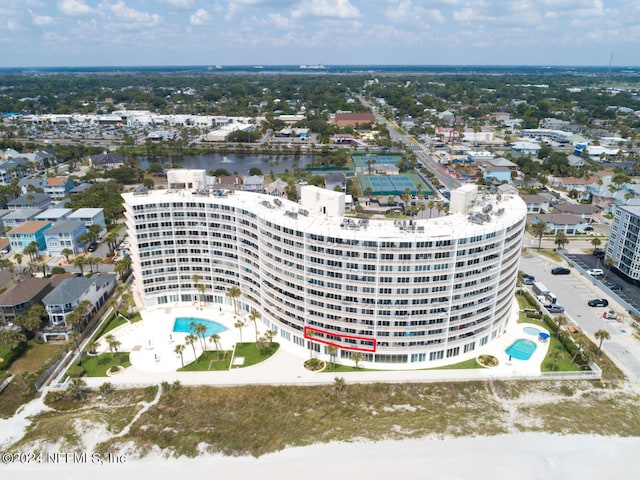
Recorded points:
(596,242)
(111,239)
(555,357)
(66,252)
(539,229)
(310,335)
(431,204)
(234,293)
(215,339)
(32,250)
(560,322)
(608,262)
(333,350)
(440,207)
(199,329)
(561,240)
(254,315)
(122,267)
(191,339)
(601,335)
(113,344)
(10,339)
(357,357)
(80,262)
(270,335)
(179,349)
(239,324)
(579,343)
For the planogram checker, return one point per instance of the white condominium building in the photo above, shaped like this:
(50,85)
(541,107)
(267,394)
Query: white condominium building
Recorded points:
(404,293)
(623,246)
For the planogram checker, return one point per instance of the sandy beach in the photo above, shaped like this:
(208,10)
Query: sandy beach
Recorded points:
(529,456)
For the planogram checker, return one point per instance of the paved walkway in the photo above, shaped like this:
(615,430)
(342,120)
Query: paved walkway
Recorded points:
(152,342)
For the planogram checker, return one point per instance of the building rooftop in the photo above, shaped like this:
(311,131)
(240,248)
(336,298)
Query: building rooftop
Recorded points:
(85,212)
(53,213)
(64,226)
(24,291)
(31,226)
(500,210)
(22,214)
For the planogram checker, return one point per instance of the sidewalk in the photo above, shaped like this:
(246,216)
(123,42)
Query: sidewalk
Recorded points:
(149,339)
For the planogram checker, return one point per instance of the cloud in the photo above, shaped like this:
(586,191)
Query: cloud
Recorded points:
(179,3)
(132,16)
(406,11)
(40,20)
(200,17)
(74,8)
(326,8)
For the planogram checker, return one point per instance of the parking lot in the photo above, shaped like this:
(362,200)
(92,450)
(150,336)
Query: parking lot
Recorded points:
(630,293)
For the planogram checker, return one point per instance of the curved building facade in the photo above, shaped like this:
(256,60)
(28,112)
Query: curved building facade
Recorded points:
(404,293)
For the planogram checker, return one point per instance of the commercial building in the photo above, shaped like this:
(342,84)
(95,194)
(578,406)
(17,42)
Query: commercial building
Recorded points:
(404,293)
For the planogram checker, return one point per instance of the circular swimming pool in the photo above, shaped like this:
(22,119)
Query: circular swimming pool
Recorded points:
(531,331)
(183,325)
(521,349)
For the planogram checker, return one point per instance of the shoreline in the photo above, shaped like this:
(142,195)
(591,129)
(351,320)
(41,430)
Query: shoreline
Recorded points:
(531,456)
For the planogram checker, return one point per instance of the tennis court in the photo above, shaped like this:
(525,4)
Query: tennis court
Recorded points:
(392,184)
(361,162)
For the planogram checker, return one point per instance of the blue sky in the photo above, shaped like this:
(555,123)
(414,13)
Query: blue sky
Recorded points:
(244,32)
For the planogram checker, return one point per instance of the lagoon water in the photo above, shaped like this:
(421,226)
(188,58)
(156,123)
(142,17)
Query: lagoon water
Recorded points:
(233,162)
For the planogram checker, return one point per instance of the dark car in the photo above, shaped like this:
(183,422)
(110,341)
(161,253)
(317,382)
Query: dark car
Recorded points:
(598,302)
(92,247)
(560,271)
(554,308)
(598,253)
(613,286)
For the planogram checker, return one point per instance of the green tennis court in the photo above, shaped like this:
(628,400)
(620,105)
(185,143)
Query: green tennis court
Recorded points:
(393,184)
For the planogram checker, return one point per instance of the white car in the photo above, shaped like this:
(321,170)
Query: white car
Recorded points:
(595,272)
(610,315)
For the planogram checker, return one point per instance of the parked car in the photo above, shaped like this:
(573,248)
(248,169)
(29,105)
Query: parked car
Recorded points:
(560,271)
(613,286)
(610,315)
(598,302)
(92,247)
(528,279)
(552,308)
(598,253)
(595,272)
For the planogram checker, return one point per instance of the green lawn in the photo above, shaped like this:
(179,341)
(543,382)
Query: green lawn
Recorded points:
(552,254)
(98,366)
(210,361)
(252,354)
(329,368)
(467,364)
(34,357)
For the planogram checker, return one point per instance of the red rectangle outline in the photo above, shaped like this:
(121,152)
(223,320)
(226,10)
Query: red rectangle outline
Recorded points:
(320,340)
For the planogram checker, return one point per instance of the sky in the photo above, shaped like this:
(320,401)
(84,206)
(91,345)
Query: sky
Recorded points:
(41,33)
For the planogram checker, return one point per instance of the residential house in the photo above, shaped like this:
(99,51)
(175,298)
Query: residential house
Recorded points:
(536,203)
(26,233)
(32,184)
(64,298)
(53,214)
(58,187)
(5,246)
(30,200)
(526,148)
(333,181)
(18,217)
(277,188)
(19,298)
(561,222)
(254,183)
(106,161)
(89,216)
(13,168)
(64,234)
(229,182)
(3,213)
(586,212)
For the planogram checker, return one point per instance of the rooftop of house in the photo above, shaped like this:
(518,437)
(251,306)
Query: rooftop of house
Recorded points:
(31,226)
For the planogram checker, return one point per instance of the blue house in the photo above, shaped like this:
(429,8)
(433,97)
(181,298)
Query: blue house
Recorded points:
(64,234)
(26,233)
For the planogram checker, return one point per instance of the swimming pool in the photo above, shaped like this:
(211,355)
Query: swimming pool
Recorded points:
(521,349)
(182,325)
(531,331)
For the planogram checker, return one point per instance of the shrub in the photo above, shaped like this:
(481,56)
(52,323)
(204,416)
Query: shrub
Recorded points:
(75,371)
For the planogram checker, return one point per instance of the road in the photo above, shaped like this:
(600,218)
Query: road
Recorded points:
(421,152)
(573,292)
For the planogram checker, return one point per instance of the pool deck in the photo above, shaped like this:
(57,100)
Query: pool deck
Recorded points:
(151,343)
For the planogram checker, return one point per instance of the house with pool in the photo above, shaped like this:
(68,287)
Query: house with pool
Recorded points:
(406,294)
